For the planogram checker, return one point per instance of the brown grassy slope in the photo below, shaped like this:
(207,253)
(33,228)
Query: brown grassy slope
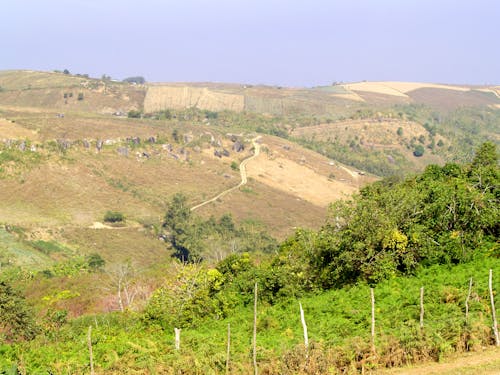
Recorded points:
(452,99)
(78,187)
(83,186)
(273,210)
(47,90)
(380,134)
(261,99)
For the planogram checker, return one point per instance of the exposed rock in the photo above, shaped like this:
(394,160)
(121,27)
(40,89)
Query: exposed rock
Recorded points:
(122,151)
(225,152)
(98,145)
(197,149)
(86,143)
(217,153)
(64,144)
(152,140)
(238,146)
(22,146)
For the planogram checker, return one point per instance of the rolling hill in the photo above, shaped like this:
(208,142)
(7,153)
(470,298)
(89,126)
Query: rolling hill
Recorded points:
(69,153)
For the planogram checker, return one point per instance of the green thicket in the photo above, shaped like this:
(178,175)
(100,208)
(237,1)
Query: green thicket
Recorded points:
(446,215)
(194,239)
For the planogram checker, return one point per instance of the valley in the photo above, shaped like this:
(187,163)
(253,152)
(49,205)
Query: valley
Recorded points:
(158,205)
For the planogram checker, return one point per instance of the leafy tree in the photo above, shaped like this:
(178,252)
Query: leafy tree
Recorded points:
(419,150)
(177,223)
(486,156)
(95,261)
(16,319)
(137,80)
(189,297)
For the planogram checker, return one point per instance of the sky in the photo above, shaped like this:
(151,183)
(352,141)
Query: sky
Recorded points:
(274,42)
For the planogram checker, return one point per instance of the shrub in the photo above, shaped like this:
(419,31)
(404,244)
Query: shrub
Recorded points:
(80,96)
(114,217)
(418,151)
(134,114)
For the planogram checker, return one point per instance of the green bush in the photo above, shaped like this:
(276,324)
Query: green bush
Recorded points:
(418,151)
(134,114)
(114,217)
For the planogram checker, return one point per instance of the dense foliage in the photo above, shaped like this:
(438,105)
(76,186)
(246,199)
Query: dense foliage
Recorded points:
(194,239)
(446,215)
(16,319)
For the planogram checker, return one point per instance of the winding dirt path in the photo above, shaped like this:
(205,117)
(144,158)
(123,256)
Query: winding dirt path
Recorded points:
(243,173)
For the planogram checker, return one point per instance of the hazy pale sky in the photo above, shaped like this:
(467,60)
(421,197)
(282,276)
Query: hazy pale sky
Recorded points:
(277,42)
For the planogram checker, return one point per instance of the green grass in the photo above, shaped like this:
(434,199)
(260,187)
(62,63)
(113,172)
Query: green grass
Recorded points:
(338,322)
(18,253)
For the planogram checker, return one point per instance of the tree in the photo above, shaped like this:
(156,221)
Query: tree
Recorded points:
(177,222)
(486,156)
(418,151)
(137,80)
(66,71)
(190,296)
(16,318)
(95,261)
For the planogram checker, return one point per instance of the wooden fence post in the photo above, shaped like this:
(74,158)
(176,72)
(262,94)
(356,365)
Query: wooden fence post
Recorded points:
(228,346)
(304,326)
(372,295)
(422,308)
(493,311)
(91,356)
(467,302)
(255,331)
(177,332)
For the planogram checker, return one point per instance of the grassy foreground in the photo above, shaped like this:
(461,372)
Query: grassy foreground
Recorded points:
(338,323)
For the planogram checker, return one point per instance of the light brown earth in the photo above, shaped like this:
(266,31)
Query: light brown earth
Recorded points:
(397,88)
(163,97)
(473,363)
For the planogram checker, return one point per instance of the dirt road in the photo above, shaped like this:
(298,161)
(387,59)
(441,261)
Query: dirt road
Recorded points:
(243,174)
